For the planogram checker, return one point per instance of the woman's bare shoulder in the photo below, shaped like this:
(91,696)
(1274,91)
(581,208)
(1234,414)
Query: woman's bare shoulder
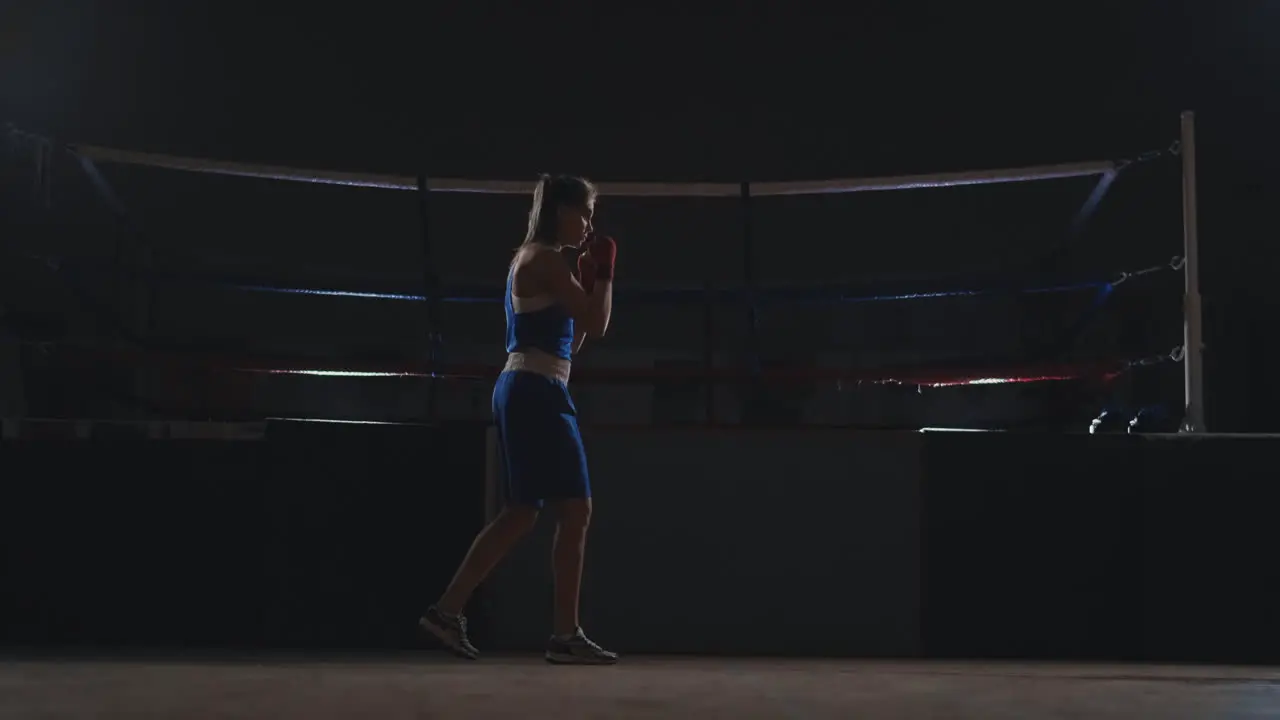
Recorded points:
(533,255)
(529,268)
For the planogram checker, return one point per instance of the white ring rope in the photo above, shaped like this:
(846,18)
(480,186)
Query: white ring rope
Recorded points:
(621,189)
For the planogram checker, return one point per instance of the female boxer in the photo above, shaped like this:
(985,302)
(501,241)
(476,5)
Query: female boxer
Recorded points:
(549,314)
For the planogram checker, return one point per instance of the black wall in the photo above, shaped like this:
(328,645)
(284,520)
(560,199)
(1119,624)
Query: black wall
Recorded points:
(764,541)
(712,541)
(319,536)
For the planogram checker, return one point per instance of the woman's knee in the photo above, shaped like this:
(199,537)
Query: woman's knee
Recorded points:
(519,518)
(574,513)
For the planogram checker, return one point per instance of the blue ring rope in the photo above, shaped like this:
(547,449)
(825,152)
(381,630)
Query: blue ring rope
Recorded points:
(842,294)
(681,295)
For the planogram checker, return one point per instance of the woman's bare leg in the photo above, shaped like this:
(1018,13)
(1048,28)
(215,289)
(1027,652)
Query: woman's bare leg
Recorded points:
(573,517)
(444,619)
(487,550)
(569,645)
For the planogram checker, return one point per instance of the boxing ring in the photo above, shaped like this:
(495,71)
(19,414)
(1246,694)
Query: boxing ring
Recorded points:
(797,501)
(729,305)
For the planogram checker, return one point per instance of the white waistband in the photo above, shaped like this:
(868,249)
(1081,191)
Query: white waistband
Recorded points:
(536,361)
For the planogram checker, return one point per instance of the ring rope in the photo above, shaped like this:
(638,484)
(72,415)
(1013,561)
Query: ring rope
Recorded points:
(617,189)
(844,293)
(88,154)
(92,356)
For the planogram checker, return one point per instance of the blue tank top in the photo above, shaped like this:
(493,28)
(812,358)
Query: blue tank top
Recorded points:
(548,328)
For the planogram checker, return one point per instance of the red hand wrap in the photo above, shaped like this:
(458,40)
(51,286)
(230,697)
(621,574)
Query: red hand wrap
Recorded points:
(603,252)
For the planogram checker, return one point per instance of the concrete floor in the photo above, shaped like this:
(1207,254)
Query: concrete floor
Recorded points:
(526,688)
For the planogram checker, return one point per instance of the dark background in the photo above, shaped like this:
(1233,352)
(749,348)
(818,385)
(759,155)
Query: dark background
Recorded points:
(336,535)
(671,94)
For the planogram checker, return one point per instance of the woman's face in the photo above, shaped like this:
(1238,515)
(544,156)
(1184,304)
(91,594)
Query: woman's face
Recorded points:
(575,224)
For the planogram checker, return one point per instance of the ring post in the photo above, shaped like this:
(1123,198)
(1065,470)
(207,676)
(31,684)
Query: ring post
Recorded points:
(1192,327)
(749,280)
(431,286)
(709,347)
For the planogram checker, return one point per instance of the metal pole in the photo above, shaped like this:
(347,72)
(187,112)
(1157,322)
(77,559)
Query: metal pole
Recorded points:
(1192,325)
(431,286)
(751,401)
(44,174)
(749,280)
(709,347)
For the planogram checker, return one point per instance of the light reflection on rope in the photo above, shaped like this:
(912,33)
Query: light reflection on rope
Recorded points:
(689,295)
(341,373)
(1005,380)
(332,293)
(826,295)
(329,421)
(1103,371)
(818,294)
(886,381)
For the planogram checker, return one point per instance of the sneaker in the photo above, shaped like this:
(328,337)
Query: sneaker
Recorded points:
(578,650)
(452,631)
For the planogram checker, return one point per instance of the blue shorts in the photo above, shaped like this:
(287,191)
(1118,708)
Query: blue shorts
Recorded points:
(541,448)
